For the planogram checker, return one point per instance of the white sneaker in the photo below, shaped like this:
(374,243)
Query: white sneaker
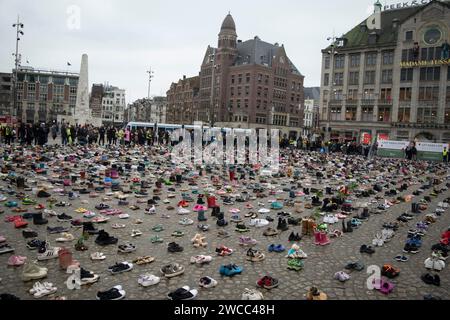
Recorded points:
(182,211)
(50,253)
(98,256)
(136,233)
(118,226)
(147,280)
(186,222)
(39,290)
(124,216)
(66,237)
(259,223)
(251,294)
(207,282)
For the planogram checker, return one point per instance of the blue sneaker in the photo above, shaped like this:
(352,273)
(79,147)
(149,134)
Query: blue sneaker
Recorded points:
(279,248)
(230,270)
(271,248)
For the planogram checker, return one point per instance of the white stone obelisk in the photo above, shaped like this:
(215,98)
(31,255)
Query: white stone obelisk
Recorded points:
(82,113)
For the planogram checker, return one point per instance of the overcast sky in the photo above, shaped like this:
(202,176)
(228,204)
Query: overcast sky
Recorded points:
(125,38)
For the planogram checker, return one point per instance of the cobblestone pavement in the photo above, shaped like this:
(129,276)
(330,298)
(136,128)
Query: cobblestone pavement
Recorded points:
(320,266)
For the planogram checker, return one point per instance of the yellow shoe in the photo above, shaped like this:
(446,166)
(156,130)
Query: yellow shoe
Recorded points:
(81,210)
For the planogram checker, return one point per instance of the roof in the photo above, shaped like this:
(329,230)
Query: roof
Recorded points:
(388,35)
(228,23)
(312,93)
(256,51)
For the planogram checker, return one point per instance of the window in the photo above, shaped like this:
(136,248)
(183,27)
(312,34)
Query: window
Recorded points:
(232,91)
(325,95)
(386,76)
(405,94)
(232,79)
(386,95)
(388,57)
(247,77)
(369,77)
(246,103)
(31,87)
(238,103)
(240,79)
(409,35)
(279,120)
(20,86)
(429,94)
(384,114)
(352,94)
(31,96)
(369,94)
(355,60)
(335,113)
(327,62)
(239,91)
(404,114)
(448,73)
(353,78)
(430,74)
(426,115)
(406,75)
(339,62)
(371,59)
(247,91)
(261,118)
(43,88)
(407,55)
(338,95)
(73,90)
(43,97)
(350,113)
(447,95)
(367,114)
(326,79)
(338,78)
(447,115)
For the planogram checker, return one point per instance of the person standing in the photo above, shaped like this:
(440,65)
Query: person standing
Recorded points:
(29,135)
(101,136)
(445,155)
(63,134)
(54,131)
(411,151)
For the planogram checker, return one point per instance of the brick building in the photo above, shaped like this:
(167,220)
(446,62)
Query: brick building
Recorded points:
(182,101)
(250,84)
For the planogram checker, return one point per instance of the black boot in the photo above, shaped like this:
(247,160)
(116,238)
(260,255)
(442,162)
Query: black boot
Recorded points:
(88,227)
(349,226)
(328,190)
(38,219)
(104,238)
(344,228)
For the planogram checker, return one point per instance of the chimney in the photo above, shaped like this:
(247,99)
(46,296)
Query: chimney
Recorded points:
(239,41)
(184,77)
(395,23)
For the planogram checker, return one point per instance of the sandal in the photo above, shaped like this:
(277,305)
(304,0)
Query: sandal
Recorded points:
(144,260)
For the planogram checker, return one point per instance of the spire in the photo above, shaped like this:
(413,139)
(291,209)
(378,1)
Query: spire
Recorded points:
(228,24)
(377,6)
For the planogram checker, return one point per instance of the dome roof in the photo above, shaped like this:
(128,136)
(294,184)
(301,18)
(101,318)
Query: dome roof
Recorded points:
(228,23)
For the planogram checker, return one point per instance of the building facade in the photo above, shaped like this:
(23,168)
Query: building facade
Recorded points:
(45,95)
(182,101)
(389,78)
(5,94)
(311,111)
(250,84)
(148,110)
(113,106)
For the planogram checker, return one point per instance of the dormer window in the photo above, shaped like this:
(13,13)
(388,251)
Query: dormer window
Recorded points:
(373,37)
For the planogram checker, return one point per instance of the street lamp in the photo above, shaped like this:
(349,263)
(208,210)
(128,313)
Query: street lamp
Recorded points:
(150,77)
(332,52)
(17,59)
(212,59)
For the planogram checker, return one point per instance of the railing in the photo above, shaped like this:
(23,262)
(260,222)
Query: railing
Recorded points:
(420,125)
(385,101)
(367,101)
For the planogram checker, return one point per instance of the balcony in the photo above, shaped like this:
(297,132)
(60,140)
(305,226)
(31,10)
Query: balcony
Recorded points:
(351,101)
(428,103)
(385,102)
(367,102)
(420,125)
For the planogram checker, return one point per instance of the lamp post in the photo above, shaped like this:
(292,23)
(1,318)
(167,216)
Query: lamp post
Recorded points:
(332,52)
(212,58)
(150,77)
(17,59)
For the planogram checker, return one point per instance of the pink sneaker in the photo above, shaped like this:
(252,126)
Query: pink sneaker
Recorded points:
(2,239)
(16,260)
